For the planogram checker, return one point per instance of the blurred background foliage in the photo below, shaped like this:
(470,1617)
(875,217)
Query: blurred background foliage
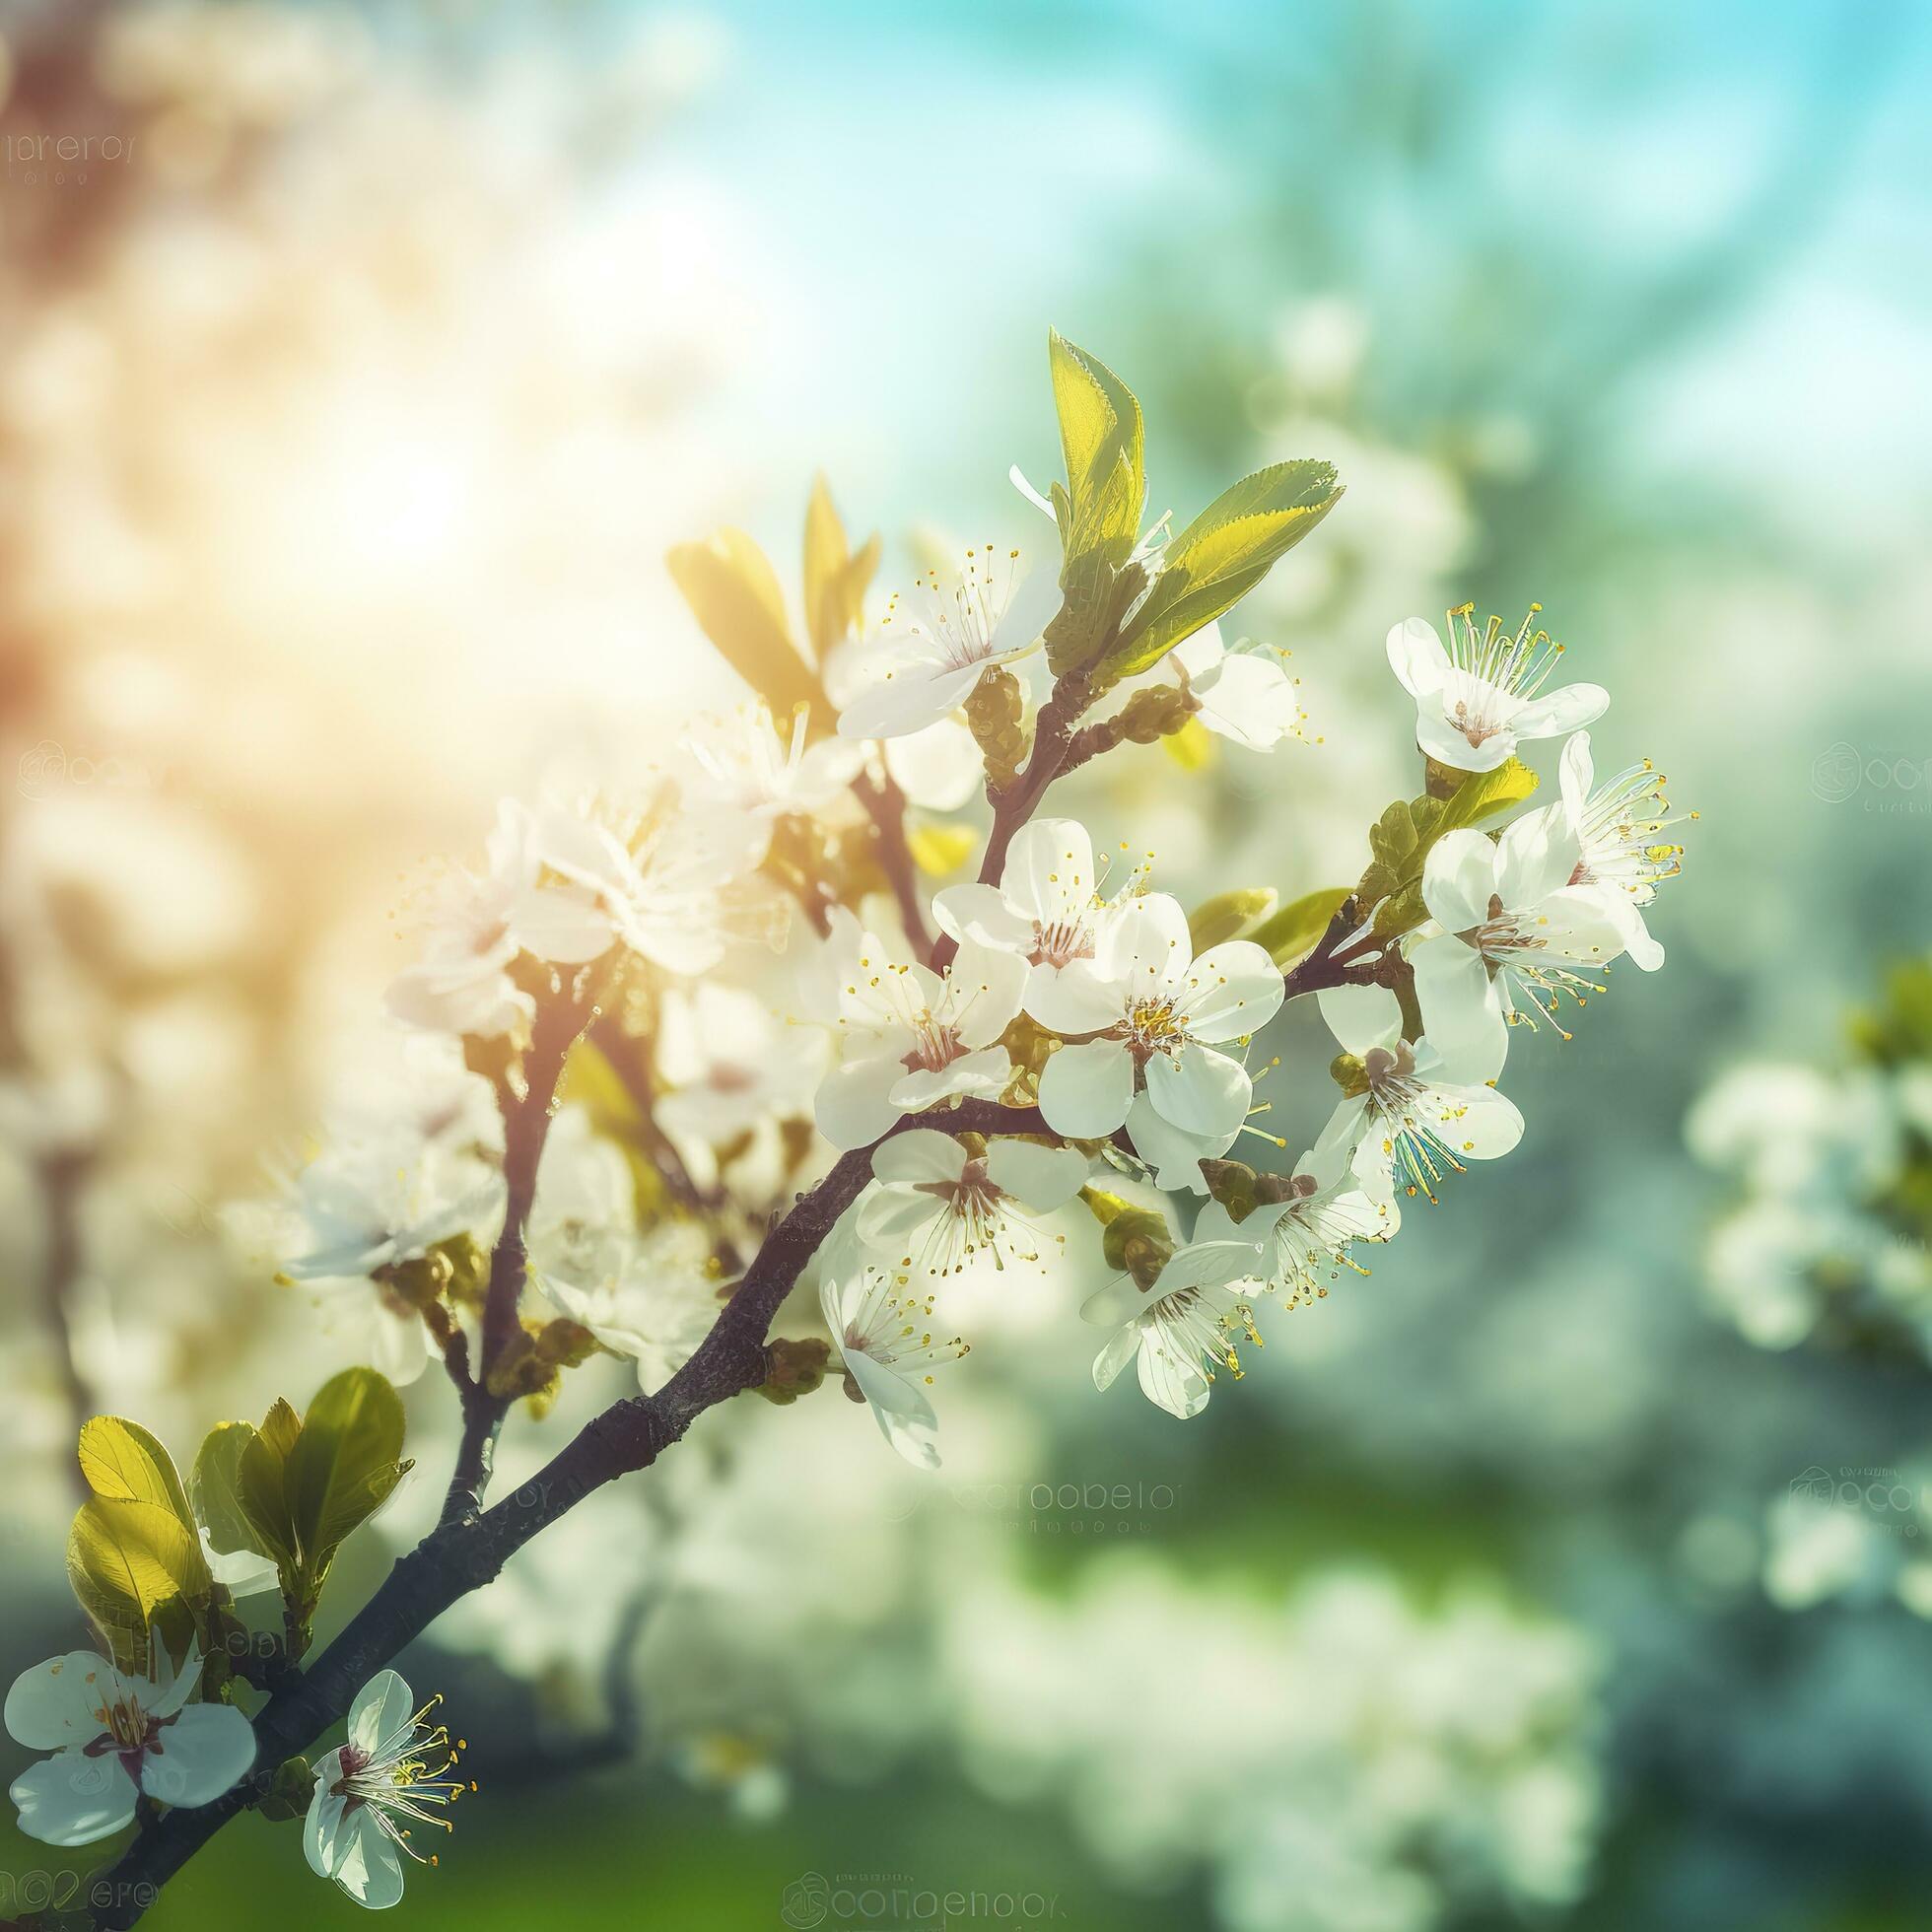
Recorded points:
(345,418)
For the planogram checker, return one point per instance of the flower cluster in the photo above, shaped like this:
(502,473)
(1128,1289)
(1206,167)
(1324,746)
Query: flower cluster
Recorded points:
(666,1054)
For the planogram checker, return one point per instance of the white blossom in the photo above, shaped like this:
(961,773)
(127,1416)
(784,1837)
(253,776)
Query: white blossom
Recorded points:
(463,981)
(939,1206)
(909,1037)
(1482,697)
(1421,1112)
(923,665)
(395,1765)
(890,1353)
(1160,1016)
(114,1738)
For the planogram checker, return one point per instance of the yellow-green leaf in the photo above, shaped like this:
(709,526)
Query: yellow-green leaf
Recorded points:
(128,1560)
(1101,440)
(344,1464)
(1223,554)
(1295,930)
(735,598)
(1484,793)
(1229,916)
(123,1463)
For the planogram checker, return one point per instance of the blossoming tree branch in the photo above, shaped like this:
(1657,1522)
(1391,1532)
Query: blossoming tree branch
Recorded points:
(632,1153)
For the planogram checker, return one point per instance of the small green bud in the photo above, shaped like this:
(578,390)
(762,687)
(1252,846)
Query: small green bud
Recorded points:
(995,710)
(1345,1070)
(1234,1183)
(794,1368)
(1138,1242)
(289,1791)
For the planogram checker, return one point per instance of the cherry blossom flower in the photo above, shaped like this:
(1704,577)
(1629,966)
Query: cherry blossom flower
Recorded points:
(664,885)
(1047,909)
(1245,695)
(747,764)
(368,1205)
(1619,854)
(1513,931)
(395,1765)
(730,1064)
(910,1037)
(1182,1329)
(1479,700)
(924,666)
(1159,1015)
(650,1296)
(462,983)
(1420,1112)
(1306,1233)
(889,1355)
(940,1206)
(115,1737)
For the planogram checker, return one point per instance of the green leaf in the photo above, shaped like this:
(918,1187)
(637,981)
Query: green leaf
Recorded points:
(128,1561)
(123,1463)
(343,1466)
(260,1487)
(216,1489)
(1101,437)
(1222,555)
(735,598)
(1296,927)
(1402,839)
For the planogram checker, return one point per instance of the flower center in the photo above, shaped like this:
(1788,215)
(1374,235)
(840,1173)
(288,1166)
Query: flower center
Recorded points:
(1058,941)
(935,1045)
(1154,1026)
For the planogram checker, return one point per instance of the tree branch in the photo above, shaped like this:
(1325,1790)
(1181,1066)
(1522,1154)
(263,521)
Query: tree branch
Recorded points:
(886,804)
(558,1027)
(467,1551)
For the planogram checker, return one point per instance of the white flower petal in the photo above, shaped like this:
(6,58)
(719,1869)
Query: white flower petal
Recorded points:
(1459,880)
(56,1703)
(981,912)
(198,1754)
(1049,871)
(1361,1017)
(1200,1091)
(1119,1350)
(1558,712)
(382,1710)
(1077,998)
(72,1799)
(1462,1011)
(1171,1151)
(854,1105)
(1039,1178)
(1085,1090)
(1443,742)
(902,1409)
(1417,656)
(1233,990)
(918,1155)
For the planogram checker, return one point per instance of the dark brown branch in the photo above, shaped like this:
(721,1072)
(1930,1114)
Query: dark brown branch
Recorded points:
(1015,803)
(467,1551)
(557,1027)
(886,805)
